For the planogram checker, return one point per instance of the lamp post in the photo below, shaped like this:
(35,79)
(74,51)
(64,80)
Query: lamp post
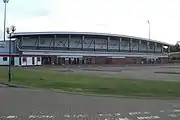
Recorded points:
(10,31)
(5,2)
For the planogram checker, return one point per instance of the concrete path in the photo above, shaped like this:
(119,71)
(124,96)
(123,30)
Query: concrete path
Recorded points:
(27,104)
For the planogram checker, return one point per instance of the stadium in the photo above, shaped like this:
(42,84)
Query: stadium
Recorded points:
(76,48)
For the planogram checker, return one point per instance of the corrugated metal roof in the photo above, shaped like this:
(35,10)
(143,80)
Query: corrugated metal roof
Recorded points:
(85,33)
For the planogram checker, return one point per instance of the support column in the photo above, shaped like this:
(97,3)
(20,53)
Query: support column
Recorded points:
(108,39)
(139,45)
(169,49)
(69,38)
(130,45)
(54,42)
(120,39)
(94,45)
(155,46)
(20,42)
(147,46)
(82,42)
(162,48)
(38,44)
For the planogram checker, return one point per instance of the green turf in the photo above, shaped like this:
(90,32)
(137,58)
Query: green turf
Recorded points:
(91,84)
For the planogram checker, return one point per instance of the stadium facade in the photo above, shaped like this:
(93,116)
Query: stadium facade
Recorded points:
(60,48)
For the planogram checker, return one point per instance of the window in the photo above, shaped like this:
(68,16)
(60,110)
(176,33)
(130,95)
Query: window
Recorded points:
(38,59)
(42,42)
(24,59)
(4,58)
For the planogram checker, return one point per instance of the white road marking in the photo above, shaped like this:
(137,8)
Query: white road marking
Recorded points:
(122,119)
(81,116)
(135,113)
(176,110)
(138,113)
(172,115)
(117,114)
(11,117)
(75,116)
(105,114)
(148,118)
(147,112)
(41,116)
(67,116)
(100,114)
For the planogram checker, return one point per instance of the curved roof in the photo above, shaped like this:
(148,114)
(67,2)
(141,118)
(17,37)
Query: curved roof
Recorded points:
(84,33)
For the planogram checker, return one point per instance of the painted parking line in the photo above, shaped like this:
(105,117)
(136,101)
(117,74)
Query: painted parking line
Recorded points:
(142,115)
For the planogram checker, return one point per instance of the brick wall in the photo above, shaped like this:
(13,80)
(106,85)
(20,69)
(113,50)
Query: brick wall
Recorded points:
(164,60)
(121,60)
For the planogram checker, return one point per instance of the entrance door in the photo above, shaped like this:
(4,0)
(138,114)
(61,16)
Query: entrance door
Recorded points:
(19,60)
(63,61)
(33,62)
(46,60)
(77,61)
(70,61)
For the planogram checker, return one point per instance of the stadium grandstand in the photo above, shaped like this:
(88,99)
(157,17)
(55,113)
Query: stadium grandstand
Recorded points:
(61,48)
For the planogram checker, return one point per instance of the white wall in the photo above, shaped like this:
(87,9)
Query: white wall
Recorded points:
(36,62)
(4,62)
(39,62)
(16,61)
(29,61)
(23,63)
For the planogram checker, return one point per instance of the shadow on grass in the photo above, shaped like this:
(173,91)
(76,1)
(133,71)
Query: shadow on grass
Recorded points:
(178,73)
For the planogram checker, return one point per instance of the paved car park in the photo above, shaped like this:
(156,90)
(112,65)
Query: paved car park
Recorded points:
(33,104)
(28,104)
(165,72)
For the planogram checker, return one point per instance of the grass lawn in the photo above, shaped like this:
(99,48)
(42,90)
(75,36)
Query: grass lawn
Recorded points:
(91,84)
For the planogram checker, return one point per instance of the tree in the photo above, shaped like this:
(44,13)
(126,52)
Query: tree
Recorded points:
(176,48)
(177,45)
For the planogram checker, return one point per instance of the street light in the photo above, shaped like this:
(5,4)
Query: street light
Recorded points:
(5,2)
(10,31)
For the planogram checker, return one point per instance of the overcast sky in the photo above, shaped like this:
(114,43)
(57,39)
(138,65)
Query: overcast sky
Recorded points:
(127,17)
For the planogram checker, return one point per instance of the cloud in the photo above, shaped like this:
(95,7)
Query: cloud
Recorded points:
(114,16)
(41,13)
(26,8)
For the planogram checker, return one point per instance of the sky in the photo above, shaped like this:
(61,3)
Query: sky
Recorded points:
(126,17)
